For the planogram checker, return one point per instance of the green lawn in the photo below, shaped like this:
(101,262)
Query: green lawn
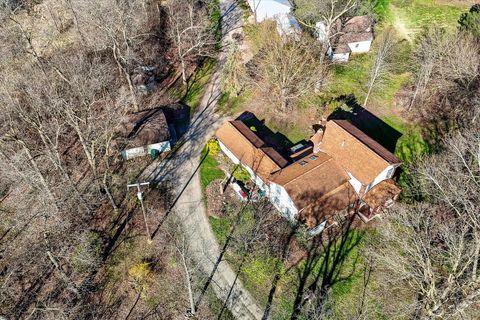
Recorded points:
(209,170)
(412,17)
(220,227)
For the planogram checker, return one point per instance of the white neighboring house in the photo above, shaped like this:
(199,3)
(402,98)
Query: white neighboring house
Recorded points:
(147,133)
(350,35)
(278,10)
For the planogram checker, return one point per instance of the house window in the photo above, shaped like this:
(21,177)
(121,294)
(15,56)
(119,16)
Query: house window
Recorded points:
(303,163)
(390,172)
(313,157)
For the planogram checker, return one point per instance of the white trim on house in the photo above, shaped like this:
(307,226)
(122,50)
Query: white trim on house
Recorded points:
(356,184)
(131,153)
(282,201)
(387,173)
(228,153)
(360,47)
(255,178)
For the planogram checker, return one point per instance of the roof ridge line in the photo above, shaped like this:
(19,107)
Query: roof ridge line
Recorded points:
(301,175)
(366,145)
(331,192)
(243,136)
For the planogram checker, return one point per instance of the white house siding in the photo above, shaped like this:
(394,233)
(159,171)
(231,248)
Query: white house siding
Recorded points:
(282,201)
(142,151)
(385,174)
(360,47)
(235,160)
(357,185)
(229,154)
(258,181)
(268,9)
(134,152)
(160,146)
(338,57)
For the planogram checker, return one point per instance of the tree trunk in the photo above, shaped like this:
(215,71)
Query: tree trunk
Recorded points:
(127,77)
(189,283)
(39,174)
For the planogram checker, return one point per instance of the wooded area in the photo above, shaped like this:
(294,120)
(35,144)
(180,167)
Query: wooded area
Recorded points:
(72,239)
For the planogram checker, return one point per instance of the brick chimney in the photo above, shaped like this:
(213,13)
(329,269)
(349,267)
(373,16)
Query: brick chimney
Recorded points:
(317,138)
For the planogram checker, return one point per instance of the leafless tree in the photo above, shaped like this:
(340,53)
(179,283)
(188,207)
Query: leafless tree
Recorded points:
(447,79)
(119,26)
(234,75)
(434,246)
(288,69)
(191,32)
(90,109)
(309,12)
(382,63)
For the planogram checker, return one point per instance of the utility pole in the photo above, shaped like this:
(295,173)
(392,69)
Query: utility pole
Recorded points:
(140,197)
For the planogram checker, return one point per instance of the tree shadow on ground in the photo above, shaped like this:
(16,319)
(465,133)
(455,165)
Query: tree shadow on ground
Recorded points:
(325,265)
(274,139)
(367,122)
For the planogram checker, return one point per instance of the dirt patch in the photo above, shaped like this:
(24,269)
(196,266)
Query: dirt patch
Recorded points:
(216,200)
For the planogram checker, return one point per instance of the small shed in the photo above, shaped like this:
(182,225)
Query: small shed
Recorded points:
(349,35)
(147,133)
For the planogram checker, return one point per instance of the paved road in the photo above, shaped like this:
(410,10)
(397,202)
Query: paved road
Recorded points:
(181,171)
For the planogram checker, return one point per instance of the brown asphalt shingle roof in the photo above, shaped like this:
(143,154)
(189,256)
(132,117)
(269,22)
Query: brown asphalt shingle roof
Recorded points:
(310,178)
(145,128)
(250,149)
(378,195)
(325,207)
(350,30)
(356,152)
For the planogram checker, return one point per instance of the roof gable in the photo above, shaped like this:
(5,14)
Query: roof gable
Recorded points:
(356,152)
(250,149)
(310,178)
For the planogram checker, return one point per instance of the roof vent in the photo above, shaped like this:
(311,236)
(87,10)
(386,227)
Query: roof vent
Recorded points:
(313,157)
(303,163)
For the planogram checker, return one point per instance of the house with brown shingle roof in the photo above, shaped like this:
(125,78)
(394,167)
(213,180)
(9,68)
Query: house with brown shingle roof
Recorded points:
(342,169)
(244,147)
(349,35)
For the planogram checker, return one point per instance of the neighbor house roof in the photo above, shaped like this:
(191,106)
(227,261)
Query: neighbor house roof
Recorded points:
(250,149)
(350,30)
(268,9)
(311,178)
(356,152)
(145,128)
(356,24)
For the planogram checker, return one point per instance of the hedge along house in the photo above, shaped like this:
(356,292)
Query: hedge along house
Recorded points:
(343,169)
(147,133)
(351,35)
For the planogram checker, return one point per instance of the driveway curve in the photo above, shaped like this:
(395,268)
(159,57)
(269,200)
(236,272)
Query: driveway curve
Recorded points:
(181,171)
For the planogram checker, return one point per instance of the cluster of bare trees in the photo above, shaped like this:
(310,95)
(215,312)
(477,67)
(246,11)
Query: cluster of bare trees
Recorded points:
(65,84)
(447,82)
(434,246)
(286,68)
